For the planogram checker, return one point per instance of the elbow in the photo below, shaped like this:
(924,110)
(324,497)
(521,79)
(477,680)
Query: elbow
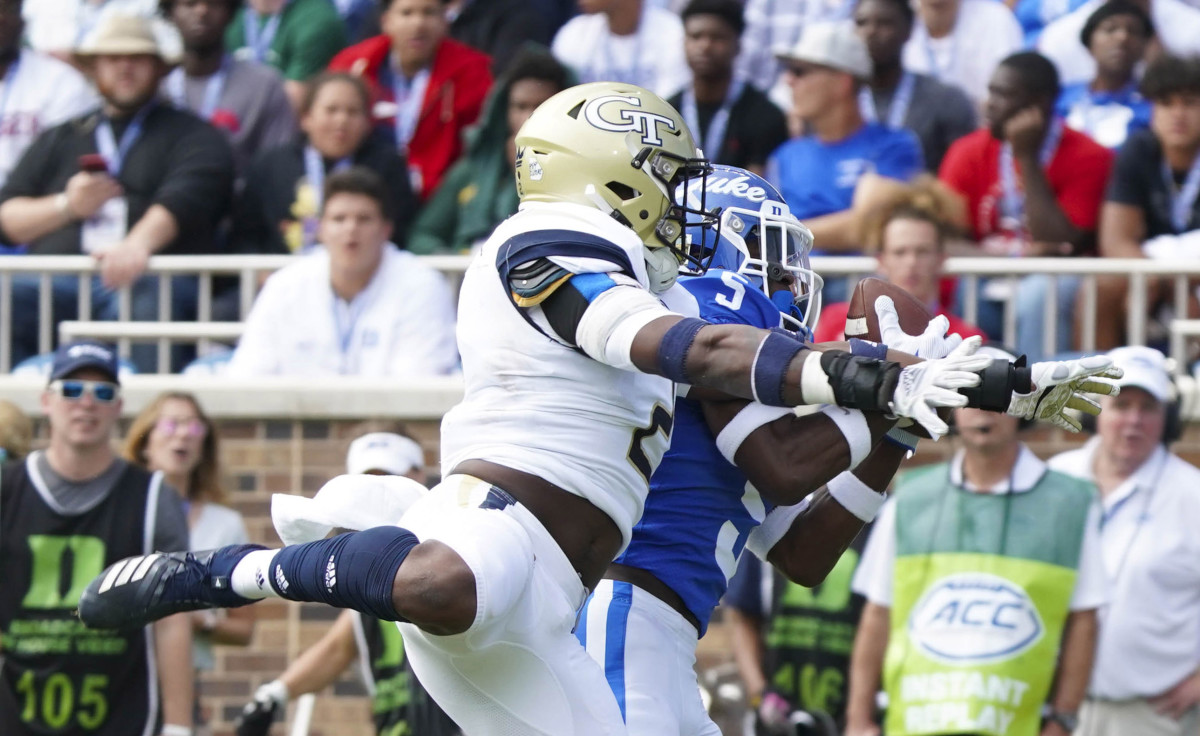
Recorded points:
(800,569)
(806,575)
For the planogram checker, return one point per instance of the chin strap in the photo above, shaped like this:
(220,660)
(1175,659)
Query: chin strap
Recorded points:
(662,268)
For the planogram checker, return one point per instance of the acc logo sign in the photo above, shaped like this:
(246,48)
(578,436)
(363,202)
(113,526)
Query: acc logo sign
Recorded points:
(599,113)
(974,618)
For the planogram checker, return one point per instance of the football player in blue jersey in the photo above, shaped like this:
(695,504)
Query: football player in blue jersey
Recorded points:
(737,475)
(571,353)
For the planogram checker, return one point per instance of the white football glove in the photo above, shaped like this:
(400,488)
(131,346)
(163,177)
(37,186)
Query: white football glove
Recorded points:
(925,387)
(932,343)
(1061,385)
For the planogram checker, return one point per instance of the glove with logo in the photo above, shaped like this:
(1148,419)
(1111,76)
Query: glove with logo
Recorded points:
(257,716)
(1061,385)
(925,387)
(932,343)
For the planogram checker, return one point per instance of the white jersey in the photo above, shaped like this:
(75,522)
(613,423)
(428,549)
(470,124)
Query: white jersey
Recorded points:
(38,93)
(533,402)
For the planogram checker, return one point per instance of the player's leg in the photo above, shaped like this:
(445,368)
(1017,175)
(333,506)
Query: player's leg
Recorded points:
(647,651)
(517,669)
(383,571)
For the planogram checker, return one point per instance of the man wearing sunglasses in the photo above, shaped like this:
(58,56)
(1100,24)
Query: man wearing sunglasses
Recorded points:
(65,513)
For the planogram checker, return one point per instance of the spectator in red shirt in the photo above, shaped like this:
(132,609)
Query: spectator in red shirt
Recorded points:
(1033,187)
(427,87)
(909,239)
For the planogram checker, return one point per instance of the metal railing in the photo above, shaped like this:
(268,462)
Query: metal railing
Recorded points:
(250,269)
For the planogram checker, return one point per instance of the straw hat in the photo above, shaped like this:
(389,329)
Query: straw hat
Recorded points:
(121,35)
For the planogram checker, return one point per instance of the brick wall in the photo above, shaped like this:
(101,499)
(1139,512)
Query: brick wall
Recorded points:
(261,458)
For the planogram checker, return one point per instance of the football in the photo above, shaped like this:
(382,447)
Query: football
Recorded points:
(862,321)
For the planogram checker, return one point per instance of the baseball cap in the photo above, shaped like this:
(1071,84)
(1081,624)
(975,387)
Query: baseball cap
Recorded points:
(1145,368)
(830,44)
(392,453)
(93,354)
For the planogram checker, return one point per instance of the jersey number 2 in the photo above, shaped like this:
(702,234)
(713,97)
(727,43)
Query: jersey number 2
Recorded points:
(660,421)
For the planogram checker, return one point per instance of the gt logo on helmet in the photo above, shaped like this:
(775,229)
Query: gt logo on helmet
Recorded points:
(639,121)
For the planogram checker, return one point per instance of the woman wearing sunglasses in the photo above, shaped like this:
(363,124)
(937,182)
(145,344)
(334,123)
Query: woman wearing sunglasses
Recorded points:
(174,435)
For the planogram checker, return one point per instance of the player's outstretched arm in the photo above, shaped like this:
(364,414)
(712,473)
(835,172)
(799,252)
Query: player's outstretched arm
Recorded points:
(777,369)
(806,543)
(787,457)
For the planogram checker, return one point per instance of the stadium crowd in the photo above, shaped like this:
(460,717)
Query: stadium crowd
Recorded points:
(357,135)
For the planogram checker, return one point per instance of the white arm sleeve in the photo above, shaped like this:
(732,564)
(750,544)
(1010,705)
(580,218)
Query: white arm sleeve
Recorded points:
(613,319)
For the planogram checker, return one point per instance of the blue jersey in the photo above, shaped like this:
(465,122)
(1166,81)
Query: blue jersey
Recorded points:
(701,508)
(1108,117)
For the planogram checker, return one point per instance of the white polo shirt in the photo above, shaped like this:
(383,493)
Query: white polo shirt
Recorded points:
(984,33)
(402,324)
(876,570)
(651,57)
(1150,630)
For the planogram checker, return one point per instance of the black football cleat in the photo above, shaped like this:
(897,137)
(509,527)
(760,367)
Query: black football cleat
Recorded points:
(138,590)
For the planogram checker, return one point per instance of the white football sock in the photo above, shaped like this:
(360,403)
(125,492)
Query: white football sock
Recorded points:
(251,575)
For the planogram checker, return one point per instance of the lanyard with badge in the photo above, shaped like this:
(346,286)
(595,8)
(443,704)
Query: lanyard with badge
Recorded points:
(345,320)
(1143,517)
(901,101)
(259,39)
(937,70)
(409,95)
(1012,199)
(213,89)
(314,174)
(714,137)
(110,224)
(1183,200)
(608,70)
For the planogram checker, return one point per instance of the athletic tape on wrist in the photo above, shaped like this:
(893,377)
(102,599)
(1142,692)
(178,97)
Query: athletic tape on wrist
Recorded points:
(853,425)
(174,729)
(868,349)
(814,381)
(747,420)
(674,346)
(902,438)
(768,374)
(857,497)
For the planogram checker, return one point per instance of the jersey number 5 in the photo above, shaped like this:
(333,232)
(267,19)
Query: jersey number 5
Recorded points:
(660,421)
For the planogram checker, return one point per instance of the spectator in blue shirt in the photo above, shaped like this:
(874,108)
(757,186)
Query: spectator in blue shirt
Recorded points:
(1110,107)
(822,174)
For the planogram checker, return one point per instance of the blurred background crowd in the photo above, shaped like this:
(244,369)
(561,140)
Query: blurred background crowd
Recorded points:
(358,137)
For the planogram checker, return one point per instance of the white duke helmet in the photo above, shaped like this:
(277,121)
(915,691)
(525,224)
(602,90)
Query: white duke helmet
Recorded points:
(623,150)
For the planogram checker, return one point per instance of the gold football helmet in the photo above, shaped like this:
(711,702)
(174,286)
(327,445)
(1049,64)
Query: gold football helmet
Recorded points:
(624,150)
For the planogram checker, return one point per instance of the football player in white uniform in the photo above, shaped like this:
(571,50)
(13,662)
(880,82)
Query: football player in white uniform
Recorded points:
(570,361)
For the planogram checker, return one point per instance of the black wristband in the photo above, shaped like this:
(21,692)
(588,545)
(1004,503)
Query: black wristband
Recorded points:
(858,382)
(998,382)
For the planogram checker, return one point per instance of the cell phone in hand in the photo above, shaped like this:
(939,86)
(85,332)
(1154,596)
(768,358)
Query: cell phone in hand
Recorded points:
(94,163)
